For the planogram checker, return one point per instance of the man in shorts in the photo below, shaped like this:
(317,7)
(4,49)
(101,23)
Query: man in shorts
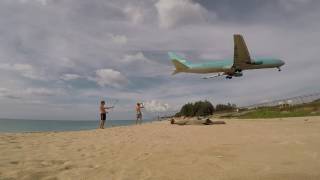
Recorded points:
(139,113)
(103,114)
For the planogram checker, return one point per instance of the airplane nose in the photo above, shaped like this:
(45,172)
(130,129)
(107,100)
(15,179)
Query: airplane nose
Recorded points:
(281,62)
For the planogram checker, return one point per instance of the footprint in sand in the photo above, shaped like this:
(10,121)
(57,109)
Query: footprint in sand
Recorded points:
(18,147)
(14,162)
(68,165)
(57,162)
(36,175)
(91,166)
(88,155)
(48,163)
(51,178)
(45,164)
(143,156)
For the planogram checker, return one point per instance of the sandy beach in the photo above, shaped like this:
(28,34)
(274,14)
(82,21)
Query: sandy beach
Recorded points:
(241,149)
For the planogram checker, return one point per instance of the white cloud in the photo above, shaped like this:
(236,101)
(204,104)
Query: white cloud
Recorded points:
(134,14)
(179,12)
(110,77)
(30,93)
(9,95)
(66,62)
(25,70)
(156,106)
(137,64)
(4,92)
(132,58)
(68,77)
(292,5)
(42,92)
(119,39)
(42,2)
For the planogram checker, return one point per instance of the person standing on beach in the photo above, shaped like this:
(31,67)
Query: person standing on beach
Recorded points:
(139,113)
(103,113)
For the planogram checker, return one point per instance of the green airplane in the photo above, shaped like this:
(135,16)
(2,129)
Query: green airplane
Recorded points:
(229,67)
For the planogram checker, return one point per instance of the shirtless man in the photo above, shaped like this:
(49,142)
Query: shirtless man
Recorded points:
(103,114)
(139,113)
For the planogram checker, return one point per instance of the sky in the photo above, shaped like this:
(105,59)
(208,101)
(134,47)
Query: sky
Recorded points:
(59,58)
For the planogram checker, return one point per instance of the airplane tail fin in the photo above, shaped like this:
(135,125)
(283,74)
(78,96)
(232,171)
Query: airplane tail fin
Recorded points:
(179,63)
(241,52)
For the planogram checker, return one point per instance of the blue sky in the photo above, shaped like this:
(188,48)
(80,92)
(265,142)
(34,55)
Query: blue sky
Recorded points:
(59,58)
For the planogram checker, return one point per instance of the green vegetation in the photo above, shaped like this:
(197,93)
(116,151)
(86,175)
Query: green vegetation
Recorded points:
(200,108)
(225,107)
(204,108)
(307,109)
(267,113)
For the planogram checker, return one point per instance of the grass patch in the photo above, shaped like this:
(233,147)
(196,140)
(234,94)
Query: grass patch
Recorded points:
(266,113)
(308,109)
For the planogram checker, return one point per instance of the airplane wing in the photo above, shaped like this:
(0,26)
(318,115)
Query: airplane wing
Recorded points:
(213,76)
(241,53)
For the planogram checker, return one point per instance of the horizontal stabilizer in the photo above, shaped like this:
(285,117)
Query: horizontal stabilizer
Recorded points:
(174,56)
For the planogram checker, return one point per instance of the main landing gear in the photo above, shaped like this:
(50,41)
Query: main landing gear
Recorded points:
(238,70)
(229,77)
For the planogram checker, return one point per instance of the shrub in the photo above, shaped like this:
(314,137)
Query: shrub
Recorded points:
(199,108)
(225,107)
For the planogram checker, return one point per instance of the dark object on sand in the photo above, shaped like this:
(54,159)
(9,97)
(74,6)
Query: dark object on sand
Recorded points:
(196,122)
(218,122)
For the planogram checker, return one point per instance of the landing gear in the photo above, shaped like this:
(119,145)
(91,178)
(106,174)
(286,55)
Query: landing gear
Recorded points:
(279,69)
(238,70)
(229,77)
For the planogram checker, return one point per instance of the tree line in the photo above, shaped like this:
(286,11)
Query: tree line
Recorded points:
(203,108)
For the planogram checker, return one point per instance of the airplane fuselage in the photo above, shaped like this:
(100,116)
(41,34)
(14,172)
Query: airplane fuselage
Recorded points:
(227,64)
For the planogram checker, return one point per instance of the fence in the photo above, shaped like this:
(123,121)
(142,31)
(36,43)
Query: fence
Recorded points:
(288,101)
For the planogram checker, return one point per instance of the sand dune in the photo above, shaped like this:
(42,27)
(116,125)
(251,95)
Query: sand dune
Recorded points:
(241,149)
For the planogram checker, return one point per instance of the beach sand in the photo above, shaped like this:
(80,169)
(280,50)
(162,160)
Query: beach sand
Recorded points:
(242,149)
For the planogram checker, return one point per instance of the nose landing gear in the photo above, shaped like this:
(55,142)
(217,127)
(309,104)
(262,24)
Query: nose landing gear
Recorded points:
(279,69)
